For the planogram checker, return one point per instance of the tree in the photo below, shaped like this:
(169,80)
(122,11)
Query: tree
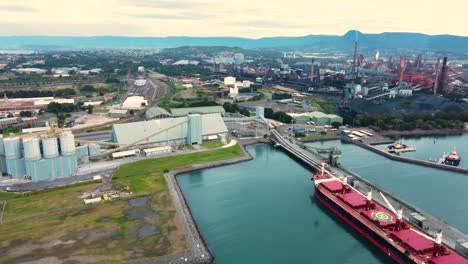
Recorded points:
(244,112)
(61,120)
(336,124)
(90,109)
(268,113)
(54,107)
(25,113)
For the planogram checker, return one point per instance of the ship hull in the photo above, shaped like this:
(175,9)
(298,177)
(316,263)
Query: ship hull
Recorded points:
(452,162)
(364,230)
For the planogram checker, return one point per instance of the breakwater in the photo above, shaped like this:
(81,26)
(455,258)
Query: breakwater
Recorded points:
(405,159)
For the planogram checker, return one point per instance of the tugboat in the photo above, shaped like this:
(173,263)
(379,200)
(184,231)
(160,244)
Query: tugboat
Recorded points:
(452,159)
(397,145)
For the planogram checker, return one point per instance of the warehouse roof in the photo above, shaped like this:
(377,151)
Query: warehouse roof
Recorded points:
(155,112)
(197,110)
(131,132)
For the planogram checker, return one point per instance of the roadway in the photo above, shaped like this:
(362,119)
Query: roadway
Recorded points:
(104,135)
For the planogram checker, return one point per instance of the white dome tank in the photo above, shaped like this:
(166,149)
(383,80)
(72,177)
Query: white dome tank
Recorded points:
(50,147)
(32,151)
(67,144)
(2,147)
(12,147)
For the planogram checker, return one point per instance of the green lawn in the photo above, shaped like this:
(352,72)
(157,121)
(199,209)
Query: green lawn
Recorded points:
(212,144)
(324,105)
(37,219)
(149,172)
(319,135)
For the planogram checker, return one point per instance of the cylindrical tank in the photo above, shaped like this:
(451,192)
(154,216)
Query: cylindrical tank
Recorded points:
(50,147)
(32,151)
(2,147)
(12,147)
(67,144)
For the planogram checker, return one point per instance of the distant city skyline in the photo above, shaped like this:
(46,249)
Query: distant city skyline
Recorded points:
(252,19)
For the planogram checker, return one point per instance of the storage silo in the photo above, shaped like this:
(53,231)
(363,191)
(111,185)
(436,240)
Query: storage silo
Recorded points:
(194,133)
(3,168)
(2,147)
(32,151)
(67,144)
(12,147)
(50,147)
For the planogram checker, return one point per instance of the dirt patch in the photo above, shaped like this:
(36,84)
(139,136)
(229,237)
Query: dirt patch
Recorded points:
(46,260)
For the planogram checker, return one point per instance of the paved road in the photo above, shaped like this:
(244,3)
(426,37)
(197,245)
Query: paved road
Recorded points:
(105,135)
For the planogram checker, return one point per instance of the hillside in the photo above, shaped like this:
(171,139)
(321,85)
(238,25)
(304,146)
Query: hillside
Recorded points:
(383,41)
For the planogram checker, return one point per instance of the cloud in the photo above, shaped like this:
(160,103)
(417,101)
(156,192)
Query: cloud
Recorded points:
(181,16)
(175,4)
(265,24)
(16,8)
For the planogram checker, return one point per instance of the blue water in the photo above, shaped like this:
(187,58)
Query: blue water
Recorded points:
(432,147)
(263,211)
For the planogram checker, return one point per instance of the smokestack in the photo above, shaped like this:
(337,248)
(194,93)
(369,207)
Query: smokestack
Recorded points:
(355,59)
(402,69)
(436,81)
(443,76)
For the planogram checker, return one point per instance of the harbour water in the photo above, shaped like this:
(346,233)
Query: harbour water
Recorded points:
(432,147)
(263,211)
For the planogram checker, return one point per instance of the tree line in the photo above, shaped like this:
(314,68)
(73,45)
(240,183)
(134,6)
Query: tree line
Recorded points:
(452,120)
(234,108)
(278,116)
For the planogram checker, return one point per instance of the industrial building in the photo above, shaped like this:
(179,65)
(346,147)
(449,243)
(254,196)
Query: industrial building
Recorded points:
(134,102)
(157,113)
(16,105)
(118,113)
(176,112)
(191,129)
(318,118)
(41,158)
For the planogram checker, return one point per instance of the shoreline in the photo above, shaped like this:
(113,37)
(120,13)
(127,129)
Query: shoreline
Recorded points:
(198,252)
(421,132)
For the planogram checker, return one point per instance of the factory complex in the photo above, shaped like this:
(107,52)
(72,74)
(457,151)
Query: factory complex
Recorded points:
(41,158)
(191,129)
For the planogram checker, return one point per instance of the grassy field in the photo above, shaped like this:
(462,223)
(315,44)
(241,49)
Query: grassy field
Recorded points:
(319,135)
(212,144)
(327,106)
(55,222)
(146,175)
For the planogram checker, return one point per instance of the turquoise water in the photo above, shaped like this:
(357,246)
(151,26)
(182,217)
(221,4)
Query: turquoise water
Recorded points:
(432,147)
(263,211)
(441,193)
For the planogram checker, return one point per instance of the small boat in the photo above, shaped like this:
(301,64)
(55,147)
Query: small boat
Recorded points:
(452,158)
(397,145)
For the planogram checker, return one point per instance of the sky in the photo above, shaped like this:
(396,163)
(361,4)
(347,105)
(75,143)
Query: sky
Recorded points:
(242,18)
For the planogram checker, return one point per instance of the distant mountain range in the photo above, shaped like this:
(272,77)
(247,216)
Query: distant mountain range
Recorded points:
(383,41)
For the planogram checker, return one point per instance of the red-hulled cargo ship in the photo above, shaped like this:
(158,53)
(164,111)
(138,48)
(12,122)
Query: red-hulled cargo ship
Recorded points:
(384,228)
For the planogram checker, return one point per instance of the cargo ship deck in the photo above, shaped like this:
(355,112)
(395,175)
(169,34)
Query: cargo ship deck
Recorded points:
(396,237)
